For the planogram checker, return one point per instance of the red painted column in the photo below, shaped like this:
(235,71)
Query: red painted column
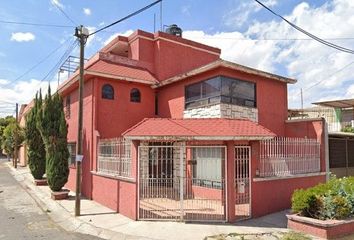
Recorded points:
(230,181)
(135,174)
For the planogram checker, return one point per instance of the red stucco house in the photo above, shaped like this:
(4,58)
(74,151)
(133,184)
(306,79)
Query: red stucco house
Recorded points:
(171,131)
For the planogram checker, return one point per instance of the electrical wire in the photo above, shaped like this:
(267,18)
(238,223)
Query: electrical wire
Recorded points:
(63,12)
(329,76)
(42,60)
(329,44)
(63,57)
(126,17)
(36,24)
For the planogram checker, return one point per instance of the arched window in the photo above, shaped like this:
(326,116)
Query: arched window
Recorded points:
(135,95)
(107,91)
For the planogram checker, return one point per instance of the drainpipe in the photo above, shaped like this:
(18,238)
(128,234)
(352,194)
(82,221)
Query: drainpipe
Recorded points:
(326,146)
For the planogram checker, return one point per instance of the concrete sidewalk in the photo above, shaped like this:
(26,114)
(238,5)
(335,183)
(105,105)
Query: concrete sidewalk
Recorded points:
(105,223)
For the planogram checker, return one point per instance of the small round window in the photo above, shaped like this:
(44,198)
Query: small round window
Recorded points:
(107,91)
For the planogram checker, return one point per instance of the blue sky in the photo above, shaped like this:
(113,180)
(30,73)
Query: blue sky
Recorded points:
(246,33)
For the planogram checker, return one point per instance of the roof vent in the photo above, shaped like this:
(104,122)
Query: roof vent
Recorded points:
(174,30)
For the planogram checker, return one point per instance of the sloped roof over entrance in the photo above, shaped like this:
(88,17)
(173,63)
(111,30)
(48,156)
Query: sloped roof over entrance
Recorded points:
(197,129)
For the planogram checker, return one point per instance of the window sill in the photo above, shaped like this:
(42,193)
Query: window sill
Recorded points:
(126,179)
(263,179)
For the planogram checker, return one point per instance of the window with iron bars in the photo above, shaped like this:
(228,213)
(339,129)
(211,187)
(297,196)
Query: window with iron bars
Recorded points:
(114,157)
(72,153)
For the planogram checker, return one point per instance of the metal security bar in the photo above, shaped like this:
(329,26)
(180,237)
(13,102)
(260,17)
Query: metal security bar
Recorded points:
(289,156)
(114,157)
(173,185)
(242,182)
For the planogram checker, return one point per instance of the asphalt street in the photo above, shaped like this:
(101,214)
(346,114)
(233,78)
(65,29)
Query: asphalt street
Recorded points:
(22,218)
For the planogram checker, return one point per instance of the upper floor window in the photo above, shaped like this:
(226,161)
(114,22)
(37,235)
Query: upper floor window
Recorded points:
(67,106)
(135,95)
(221,90)
(107,91)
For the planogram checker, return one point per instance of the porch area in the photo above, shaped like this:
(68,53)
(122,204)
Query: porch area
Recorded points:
(216,170)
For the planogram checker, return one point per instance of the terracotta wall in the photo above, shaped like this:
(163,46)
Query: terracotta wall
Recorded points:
(72,122)
(271,98)
(308,128)
(275,195)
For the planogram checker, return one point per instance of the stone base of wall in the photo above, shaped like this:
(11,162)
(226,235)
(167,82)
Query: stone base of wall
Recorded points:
(328,229)
(223,110)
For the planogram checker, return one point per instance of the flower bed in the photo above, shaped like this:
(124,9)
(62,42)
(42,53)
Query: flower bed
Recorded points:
(326,210)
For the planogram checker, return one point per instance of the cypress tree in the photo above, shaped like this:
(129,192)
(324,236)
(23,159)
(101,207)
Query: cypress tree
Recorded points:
(36,150)
(53,128)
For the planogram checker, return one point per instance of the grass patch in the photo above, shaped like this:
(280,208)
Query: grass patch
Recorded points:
(294,236)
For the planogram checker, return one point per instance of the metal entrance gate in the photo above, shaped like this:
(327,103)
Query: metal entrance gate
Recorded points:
(242,182)
(182,183)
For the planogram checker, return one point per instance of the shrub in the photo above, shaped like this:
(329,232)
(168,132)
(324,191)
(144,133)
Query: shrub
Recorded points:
(333,200)
(36,149)
(53,129)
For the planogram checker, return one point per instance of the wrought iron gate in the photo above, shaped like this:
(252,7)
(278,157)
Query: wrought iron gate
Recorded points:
(242,182)
(182,183)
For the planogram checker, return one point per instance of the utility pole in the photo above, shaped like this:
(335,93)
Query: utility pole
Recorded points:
(15,139)
(82,34)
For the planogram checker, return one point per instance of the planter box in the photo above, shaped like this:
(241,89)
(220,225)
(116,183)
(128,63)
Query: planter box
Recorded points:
(40,182)
(63,194)
(328,229)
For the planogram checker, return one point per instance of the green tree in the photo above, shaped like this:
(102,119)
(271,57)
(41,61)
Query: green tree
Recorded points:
(9,143)
(52,126)
(36,150)
(4,122)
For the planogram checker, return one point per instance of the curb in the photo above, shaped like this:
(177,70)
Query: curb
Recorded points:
(60,216)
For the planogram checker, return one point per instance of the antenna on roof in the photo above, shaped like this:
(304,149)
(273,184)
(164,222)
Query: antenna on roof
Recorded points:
(161,17)
(154,22)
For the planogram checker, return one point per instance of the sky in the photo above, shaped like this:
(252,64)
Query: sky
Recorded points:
(245,32)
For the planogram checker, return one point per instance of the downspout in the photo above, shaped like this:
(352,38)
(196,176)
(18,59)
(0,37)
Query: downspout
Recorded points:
(326,142)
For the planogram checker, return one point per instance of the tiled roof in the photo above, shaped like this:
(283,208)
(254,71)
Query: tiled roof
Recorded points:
(202,129)
(105,67)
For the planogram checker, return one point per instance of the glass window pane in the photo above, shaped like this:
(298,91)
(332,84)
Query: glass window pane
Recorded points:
(193,92)
(240,92)
(211,87)
(135,95)
(107,92)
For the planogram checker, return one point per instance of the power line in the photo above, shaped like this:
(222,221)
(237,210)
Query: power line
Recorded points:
(65,55)
(126,17)
(36,24)
(329,76)
(63,12)
(41,61)
(329,44)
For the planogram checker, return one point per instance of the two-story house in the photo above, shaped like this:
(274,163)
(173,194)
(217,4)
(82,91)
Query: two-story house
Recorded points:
(171,131)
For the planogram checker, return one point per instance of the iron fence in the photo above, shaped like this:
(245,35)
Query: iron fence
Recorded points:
(289,156)
(114,157)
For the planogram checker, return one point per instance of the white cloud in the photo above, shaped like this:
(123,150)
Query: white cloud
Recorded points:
(22,36)
(239,15)
(4,82)
(22,92)
(87,11)
(113,36)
